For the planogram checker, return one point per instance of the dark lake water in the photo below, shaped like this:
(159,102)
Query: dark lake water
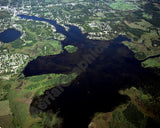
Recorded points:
(9,35)
(96,88)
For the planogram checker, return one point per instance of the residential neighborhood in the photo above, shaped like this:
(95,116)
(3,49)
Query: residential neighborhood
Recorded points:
(11,63)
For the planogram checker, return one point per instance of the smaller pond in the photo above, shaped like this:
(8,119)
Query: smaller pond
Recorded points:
(9,35)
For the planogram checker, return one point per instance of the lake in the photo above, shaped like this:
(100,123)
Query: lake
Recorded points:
(9,35)
(96,88)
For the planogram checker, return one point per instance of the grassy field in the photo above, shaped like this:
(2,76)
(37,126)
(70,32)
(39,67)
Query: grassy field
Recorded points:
(101,120)
(147,16)
(4,14)
(4,108)
(122,5)
(139,112)
(144,46)
(23,91)
(152,63)
(144,102)
(5,114)
(143,25)
(5,121)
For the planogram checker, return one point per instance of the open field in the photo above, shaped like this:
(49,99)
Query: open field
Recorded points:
(144,46)
(138,112)
(123,5)
(4,108)
(23,91)
(143,25)
(151,63)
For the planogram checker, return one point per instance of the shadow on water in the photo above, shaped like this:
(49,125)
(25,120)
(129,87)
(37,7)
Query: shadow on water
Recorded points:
(95,89)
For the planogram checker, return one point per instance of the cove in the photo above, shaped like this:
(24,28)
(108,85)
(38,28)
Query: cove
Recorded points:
(95,89)
(9,35)
(64,63)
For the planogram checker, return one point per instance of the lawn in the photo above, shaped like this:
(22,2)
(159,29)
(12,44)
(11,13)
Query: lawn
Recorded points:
(122,5)
(151,62)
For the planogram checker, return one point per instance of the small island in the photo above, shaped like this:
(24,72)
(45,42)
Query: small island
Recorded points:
(70,48)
